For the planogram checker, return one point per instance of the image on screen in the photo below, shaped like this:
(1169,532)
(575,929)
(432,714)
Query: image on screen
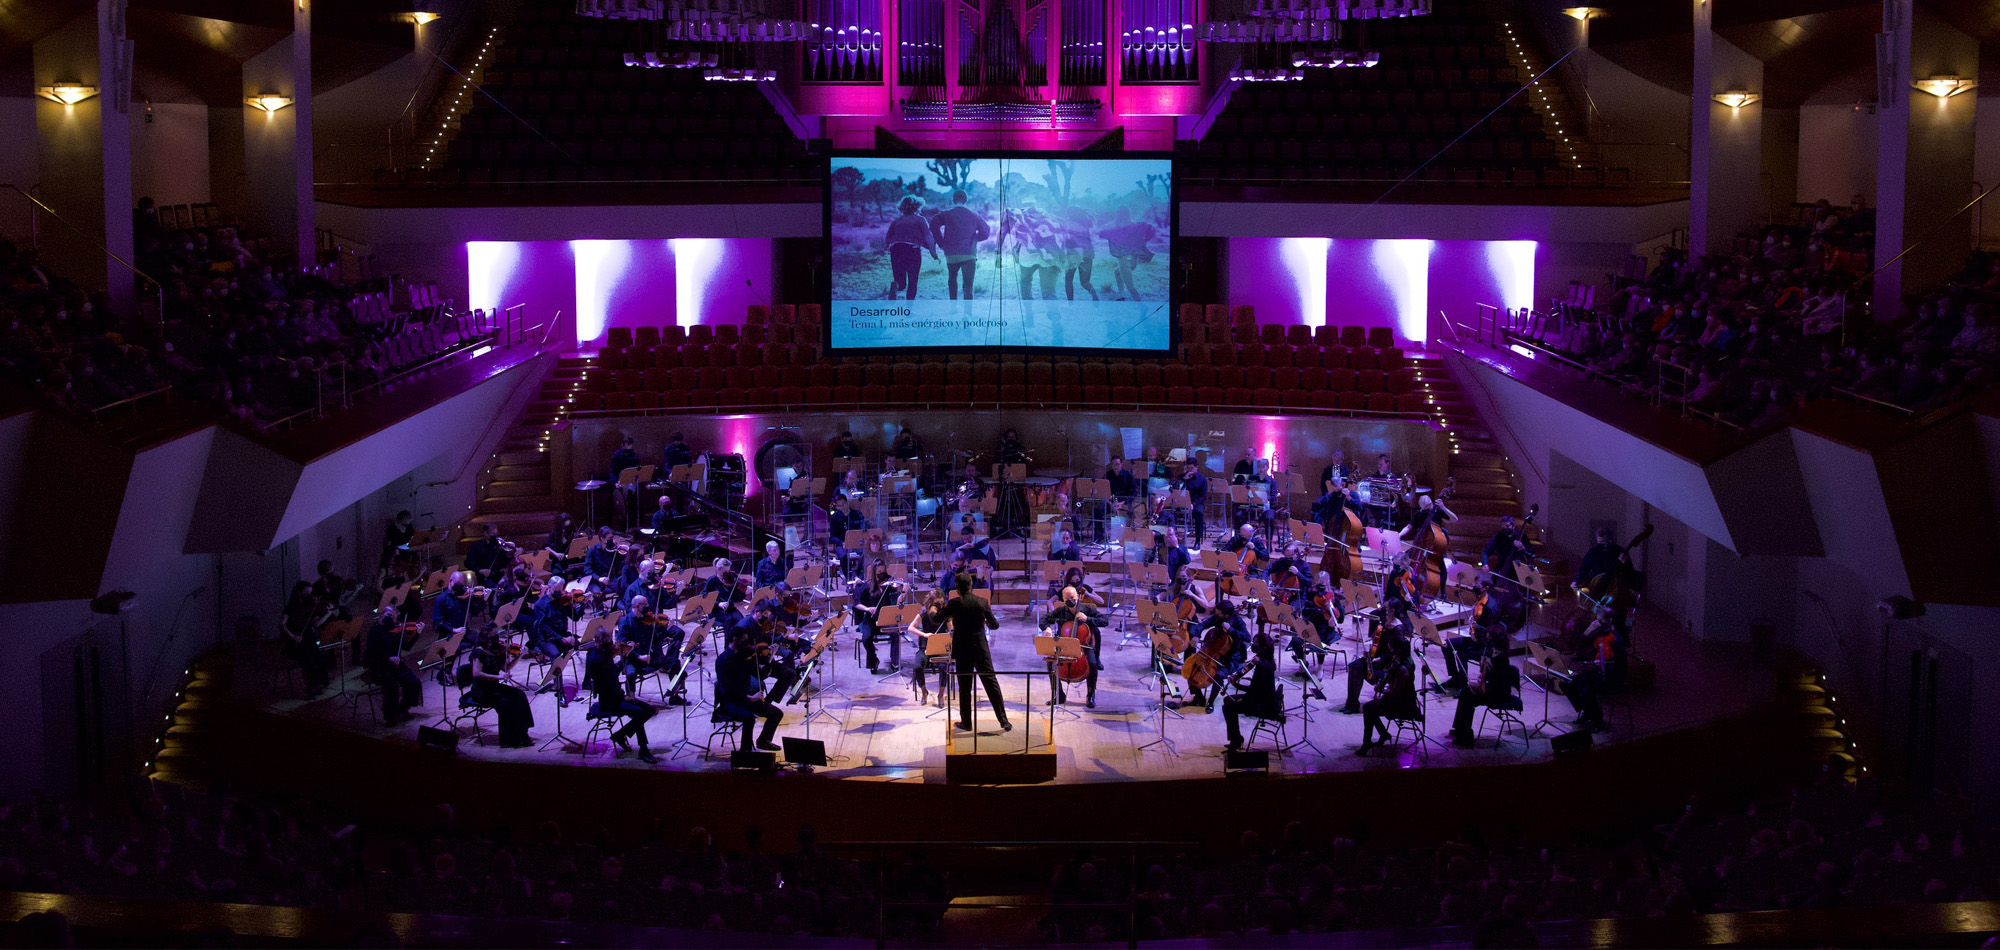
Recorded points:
(1041,250)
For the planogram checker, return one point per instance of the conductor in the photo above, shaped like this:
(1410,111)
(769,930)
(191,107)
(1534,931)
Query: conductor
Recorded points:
(970,618)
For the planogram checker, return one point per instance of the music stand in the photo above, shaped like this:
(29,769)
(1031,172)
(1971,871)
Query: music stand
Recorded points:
(439,653)
(565,694)
(804,753)
(900,616)
(823,644)
(1054,650)
(692,656)
(1556,668)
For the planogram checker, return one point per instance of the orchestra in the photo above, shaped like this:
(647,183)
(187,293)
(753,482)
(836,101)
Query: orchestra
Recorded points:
(625,610)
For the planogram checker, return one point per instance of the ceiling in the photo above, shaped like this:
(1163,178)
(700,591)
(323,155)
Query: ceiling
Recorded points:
(194,50)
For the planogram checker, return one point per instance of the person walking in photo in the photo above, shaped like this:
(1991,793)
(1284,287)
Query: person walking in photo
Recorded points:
(1127,239)
(959,230)
(908,237)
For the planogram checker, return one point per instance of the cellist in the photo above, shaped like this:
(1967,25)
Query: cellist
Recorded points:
(1225,624)
(1077,618)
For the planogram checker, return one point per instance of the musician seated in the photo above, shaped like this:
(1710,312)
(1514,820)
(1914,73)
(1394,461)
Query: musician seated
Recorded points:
(1073,610)
(557,543)
(492,687)
(866,600)
(1245,539)
(1391,646)
(1429,512)
(601,559)
(740,693)
(772,569)
(483,554)
(1396,698)
(846,448)
(1072,579)
(948,581)
(600,676)
(1600,669)
(383,658)
(725,580)
(654,644)
(331,589)
(548,620)
(1336,471)
(452,606)
(1291,569)
(1497,681)
(641,586)
(931,621)
(1124,487)
(1506,547)
(1168,551)
(514,585)
(1259,700)
(1330,508)
(1225,619)
(1065,548)
(663,515)
(974,547)
(775,648)
(906,447)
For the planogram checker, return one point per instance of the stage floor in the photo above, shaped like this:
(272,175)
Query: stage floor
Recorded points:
(883,734)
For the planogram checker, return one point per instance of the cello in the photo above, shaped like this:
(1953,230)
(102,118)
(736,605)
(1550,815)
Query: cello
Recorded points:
(1076,669)
(1203,667)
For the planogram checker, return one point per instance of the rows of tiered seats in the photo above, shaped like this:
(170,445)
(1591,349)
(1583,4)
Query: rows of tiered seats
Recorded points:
(578,113)
(1439,77)
(772,362)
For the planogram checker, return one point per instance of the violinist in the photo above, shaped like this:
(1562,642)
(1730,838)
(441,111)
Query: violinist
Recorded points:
(383,658)
(1246,539)
(511,586)
(772,569)
(1259,699)
(1323,606)
(867,598)
(1396,696)
(491,685)
(1497,681)
(1065,548)
(600,560)
(774,648)
(484,554)
(301,620)
(726,581)
(1401,590)
(600,676)
(651,643)
(557,544)
(931,621)
(453,605)
(1074,610)
(549,619)
(1073,580)
(740,694)
(641,586)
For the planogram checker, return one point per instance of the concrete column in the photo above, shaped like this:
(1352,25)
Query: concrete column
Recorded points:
(1726,143)
(277,146)
(85,152)
(1924,150)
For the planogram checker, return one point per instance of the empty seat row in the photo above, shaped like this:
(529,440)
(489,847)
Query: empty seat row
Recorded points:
(1191,398)
(1149,378)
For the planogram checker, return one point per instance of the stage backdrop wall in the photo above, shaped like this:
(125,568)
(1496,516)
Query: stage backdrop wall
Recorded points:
(1082,444)
(622,283)
(1394,283)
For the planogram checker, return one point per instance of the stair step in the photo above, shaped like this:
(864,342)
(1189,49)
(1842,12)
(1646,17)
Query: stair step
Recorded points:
(518,504)
(537,471)
(519,456)
(515,488)
(1470,507)
(513,524)
(1484,491)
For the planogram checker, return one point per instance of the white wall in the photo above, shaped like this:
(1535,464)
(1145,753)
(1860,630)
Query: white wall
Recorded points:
(170,153)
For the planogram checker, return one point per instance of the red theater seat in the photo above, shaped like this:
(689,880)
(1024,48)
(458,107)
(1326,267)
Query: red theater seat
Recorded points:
(902,394)
(757,315)
(1243,334)
(683,378)
(906,374)
(818,395)
(1173,374)
(666,357)
(1224,354)
(1279,354)
(1271,334)
(1351,402)
(1368,380)
(985,373)
(1399,381)
(1361,359)
(958,394)
(801,353)
(1040,374)
(617,402)
(728,334)
(1267,397)
(877,374)
(611,360)
(1324,399)
(1238,397)
(850,374)
(1096,374)
(1149,375)
(630,380)
(653,379)
(985,394)
(1066,374)
(1340,380)
(1381,337)
(756,335)
(1243,315)
(1352,337)
(589,402)
(1285,378)
(648,335)
(1097,395)
(749,354)
(1381,402)
(692,355)
(795,376)
(1257,377)
(1202,377)
(1122,374)
(1299,335)
(789,396)
(1216,315)
(785,313)
(846,395)
(1209,397)
(932,374)
(1326,335)
(1313,379)
(1412,404)
(1229,377)
(619,338)
(1180,397)
(701,335)
(1125,395)
(1190,314)
(1297,399)
(646,400)
(1389,358)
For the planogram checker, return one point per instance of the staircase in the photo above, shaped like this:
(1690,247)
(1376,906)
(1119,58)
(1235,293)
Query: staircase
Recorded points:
(1487,488)
(1565,128)
(1803,693)
(182,751)
(517,490)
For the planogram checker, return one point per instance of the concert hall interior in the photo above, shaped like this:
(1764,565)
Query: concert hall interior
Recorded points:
(997,472)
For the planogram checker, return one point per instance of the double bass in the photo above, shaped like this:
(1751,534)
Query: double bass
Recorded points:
(1432,544)
(1342,560)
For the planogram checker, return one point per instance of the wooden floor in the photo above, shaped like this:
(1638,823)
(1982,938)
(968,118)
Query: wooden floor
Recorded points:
(875,730)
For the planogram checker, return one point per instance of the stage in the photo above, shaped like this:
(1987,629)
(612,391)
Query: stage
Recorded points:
(876,731)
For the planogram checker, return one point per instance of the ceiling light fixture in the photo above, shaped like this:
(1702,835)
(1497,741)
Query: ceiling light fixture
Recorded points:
(67,93)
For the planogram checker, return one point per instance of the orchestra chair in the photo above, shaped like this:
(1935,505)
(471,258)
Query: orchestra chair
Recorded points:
(1272,728)
(1505,719)
(1614,703)
(602,723)
(468,708)
(1413,729)
(724,726)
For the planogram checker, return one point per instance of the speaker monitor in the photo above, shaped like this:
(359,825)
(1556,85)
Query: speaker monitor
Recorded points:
(437,740)
(1570,743)
(804,751)
(1248,760)
(751,760)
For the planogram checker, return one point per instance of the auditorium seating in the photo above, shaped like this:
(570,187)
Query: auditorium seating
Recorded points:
(571,110)
(1439,77)
(1346,370)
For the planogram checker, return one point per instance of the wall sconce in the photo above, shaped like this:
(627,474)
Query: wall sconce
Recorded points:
(269,102)
(1944,87)
(1736,98)
(67,93)
(419,17)
(1583,13)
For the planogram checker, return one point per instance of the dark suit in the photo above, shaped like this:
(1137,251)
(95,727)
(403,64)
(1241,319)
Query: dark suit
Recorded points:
(970,618)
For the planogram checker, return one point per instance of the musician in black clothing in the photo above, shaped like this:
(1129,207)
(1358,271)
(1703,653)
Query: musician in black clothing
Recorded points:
(1336,472)
(1397,700)
(1229,620)
(1073,608)
(1244,468)
(1391,647)
(1329,509)
(931,621)
(772,569)
(677,453)
(625,457)
(655,646)
(383,658)
(560,536)
(1601,560)
(1600,668)
(1012,452)
(1497,680)
(1246,539)
(868,597)
(1065,548)
(1507,546)
(663,516)
(1429,512)
(1196,485)
(906,446)
(1123,486)
(492,687)
(1292,563)
(482,555)
(774,648)
(740,695)
(298,628)
(840,520)
(846,447)
(973,546)
(970,618)
(396,537)
(1260,699)
(1170,552)
(600,676)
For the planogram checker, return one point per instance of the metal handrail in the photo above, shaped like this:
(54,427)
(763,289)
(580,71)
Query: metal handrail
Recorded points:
(130,400)
(1452,327)
(1905,411)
